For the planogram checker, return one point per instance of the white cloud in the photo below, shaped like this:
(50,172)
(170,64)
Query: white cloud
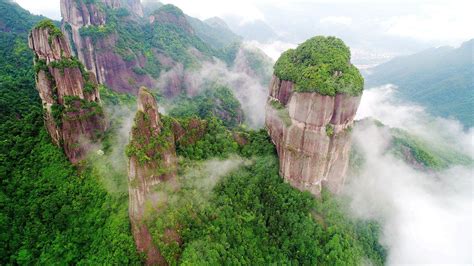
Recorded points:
(382,104)
(342,20)
(447,22)
(273,49)
(435,21)
(48,8)
(245,10)
(426,217)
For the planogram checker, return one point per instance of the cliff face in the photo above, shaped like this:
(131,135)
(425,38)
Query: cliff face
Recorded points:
(312,135)
(311,132)
(70,96)
(153,160)
(94,41)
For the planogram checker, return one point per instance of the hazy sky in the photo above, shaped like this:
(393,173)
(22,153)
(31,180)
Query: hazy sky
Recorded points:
(372,28)
(449,20)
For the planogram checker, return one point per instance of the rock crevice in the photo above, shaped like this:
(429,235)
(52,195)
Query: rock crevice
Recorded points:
(152,160)
(98,50)
(312,135)
(70,96)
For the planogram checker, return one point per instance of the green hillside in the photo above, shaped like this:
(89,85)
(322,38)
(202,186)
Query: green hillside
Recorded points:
(440,79)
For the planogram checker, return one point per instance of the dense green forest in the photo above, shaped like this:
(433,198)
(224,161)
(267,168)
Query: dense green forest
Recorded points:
(217,100)
(253,217)
(56,213)
(439,79)
(320,64)
(52,212)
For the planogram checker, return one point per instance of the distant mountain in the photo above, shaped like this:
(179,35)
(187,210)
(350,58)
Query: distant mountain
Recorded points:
(256,30)
(439,78)
(149,6)
(15,19)
(214,31)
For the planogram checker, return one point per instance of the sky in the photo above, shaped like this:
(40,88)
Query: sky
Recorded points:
(445,21)
(425,20)
(376,30)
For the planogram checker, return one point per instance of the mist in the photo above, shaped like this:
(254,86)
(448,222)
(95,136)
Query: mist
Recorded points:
(383,104)
(111,166)
(205,175)
(248,89)
(426,216)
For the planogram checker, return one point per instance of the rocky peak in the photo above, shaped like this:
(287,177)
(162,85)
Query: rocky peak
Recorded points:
(152,160)
(147,105)
(48,43)
(91,12)
(70,96)
(310,113)
(87,27)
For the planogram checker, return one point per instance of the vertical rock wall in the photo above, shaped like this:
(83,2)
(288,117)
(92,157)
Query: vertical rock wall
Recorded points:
(99,53)
(312,135)
(153,160)
(73,112)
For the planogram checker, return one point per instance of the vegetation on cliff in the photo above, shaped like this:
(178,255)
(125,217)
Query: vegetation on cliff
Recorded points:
(252,216)
(217,140)
(136,39)
(55,213)
(320,64)
(53,30)
(50,213)
(413,149)
(217,100)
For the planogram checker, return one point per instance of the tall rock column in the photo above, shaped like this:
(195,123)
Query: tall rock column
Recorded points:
(153,160)
(90,28)
(70,96)
(314,96)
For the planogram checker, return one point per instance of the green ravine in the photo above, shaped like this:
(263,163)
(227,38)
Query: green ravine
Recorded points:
(250,216)
(320,64)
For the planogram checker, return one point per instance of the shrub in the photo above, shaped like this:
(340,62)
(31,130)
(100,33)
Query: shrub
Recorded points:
(321,64)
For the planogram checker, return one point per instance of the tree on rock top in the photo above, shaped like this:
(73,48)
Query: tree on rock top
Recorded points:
(320,64)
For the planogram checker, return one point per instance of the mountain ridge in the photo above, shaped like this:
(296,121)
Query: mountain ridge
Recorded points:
(439,79)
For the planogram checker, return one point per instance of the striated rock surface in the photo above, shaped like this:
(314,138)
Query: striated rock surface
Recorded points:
(94,41)
(312,135)
(153,160)
(310,112)
(73,113)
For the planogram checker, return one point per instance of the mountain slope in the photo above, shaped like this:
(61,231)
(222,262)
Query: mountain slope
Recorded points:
(127,50)
(54,213)
(49,212)
(440,79)
(214,32)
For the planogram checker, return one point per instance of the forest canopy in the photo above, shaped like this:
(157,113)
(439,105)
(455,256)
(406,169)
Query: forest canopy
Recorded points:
(320,64)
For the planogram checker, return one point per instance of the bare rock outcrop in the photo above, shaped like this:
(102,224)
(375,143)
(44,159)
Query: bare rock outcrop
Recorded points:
(152,161)
(73,112)
(311,127)
(312,135)
(94,41)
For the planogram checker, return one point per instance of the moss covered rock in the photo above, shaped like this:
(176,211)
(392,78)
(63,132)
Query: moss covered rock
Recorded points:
(320,64)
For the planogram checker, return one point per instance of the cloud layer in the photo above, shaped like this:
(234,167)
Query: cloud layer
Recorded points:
(426,216)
